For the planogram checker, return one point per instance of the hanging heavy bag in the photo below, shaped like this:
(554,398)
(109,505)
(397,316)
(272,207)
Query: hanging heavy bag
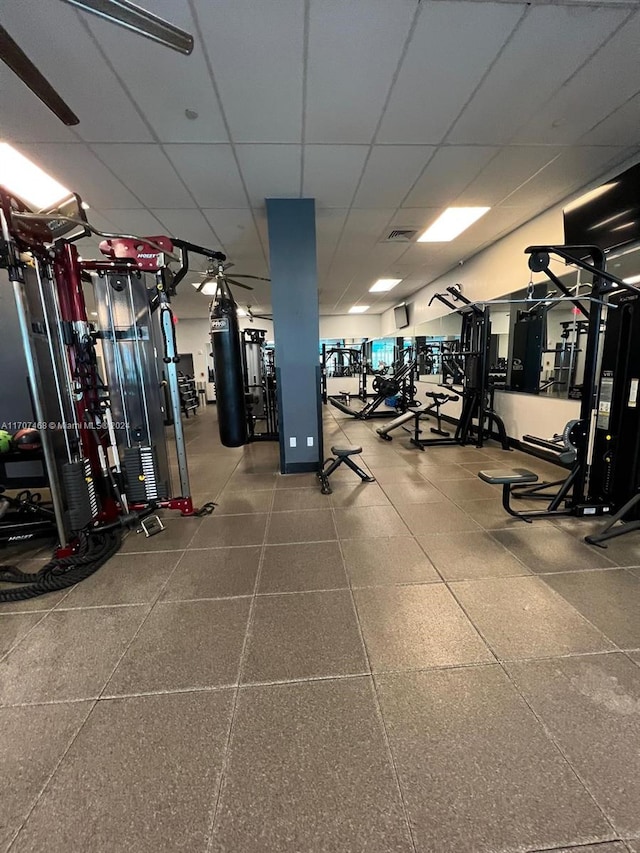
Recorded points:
(227,362)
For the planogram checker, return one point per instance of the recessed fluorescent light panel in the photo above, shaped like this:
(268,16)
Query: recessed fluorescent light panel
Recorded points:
(634,279)
(209,289)
(451,223)
(384,284)
(358,309)
(28,181)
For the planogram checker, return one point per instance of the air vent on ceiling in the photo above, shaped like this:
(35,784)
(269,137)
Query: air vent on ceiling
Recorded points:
(401,235)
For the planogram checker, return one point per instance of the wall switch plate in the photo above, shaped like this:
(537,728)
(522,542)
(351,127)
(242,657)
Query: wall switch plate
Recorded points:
(292,442)
(309,441)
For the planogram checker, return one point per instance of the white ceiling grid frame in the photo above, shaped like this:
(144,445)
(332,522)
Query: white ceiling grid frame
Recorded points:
(237,231)
(390,171)
(352,58)
(332,173)
(163,82)
(521,80)
(112,117)
(138,223)
(450,171)
(210,173)
(270,170)
(607,79)
(610,130)
(190,225)
(424,104)
(244,40)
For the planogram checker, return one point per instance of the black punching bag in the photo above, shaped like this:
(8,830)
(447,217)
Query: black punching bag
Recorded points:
(227,363)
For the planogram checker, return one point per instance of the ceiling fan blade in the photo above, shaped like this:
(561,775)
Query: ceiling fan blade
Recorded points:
(238,283)
(255,277)
(20,64)
(134,18)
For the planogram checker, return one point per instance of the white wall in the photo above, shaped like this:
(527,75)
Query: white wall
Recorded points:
(350,326)
(192,337)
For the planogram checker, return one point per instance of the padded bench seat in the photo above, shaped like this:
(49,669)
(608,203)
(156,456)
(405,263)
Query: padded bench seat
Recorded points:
(509,477)
(346,450)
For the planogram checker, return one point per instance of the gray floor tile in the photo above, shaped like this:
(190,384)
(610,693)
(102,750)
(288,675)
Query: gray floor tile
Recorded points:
(606,847)
(69,655)
(184,645)
(303,635)
(471,757)
(412,493)
(407,474)
(468,555)
(490,514)
(214,573)
(435,472)
(635,571)
(125,579)
(625,551)
(467,490)
(141,775)
(369,522)
(415,627)
(297,481)
(32,742)
(551,550)
(609,599)
(520,617)
(176,536)
(443,517)
(304,526)
(397,559)
(14,626)
(356,493)
(386,458)
(591,707)
(634,846)
(308,771)
(302,567)
(230,530)
(291,499)
(240,482)
(239,503)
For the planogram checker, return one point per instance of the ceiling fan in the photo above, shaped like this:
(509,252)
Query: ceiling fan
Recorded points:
(120,12)
(213,272)
(252,316)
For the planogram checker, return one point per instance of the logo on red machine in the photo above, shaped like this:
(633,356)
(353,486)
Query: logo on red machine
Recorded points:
(146,256)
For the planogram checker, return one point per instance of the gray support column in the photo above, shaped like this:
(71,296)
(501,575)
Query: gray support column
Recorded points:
(294,297)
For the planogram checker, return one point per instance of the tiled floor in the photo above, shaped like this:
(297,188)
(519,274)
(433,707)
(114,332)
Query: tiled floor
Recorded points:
(396,668)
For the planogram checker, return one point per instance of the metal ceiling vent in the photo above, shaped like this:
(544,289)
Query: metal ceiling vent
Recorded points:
(400,235)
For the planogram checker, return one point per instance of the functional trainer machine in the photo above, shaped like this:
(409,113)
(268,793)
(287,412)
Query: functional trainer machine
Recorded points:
(96,387)
(260,386)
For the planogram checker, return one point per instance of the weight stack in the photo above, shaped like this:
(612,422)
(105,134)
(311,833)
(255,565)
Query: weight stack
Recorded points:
(141,472)
(80,489)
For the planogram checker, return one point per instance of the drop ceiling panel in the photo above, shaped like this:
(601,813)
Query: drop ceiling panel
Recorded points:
(270,171)
(236,230)
(164,82)
(188,225)
(25,118)
(77,168)
(147,172)
(210,172)
(550,44)
(331,173)
(70,60)
(505,173)
(453,44)
(354,49)
(607,81)
(390,173)
(138,223)
(621,125)
(448,174)
(569,172)
(256,53)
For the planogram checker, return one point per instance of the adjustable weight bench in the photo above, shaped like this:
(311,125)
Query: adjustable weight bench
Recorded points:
(341,453)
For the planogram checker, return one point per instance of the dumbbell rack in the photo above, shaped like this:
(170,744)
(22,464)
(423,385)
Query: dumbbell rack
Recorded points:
(188,395)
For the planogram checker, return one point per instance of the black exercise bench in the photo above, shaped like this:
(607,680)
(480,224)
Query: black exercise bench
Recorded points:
(509,478)
(341,454)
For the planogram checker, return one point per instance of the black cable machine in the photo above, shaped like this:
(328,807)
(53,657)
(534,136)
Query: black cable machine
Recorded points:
(465,370)
(259,385)
(400,385)
(348,363)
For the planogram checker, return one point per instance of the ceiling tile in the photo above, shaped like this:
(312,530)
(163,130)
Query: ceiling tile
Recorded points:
(270,171)
(210,172)
(453,44)
(362,231)
(522,80)
(608,80)
(188,225)
(77,168)
(138,223)
(505,173)
(354,49)
(25,118)
(621,125)
(236,230)
(331,173)
(568,173)
(256,55)
(390,173)
(448,174)
(163,82)
(67,56)
(147,172)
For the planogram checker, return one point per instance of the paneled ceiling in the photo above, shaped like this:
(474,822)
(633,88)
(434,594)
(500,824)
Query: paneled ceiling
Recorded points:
(385,111)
